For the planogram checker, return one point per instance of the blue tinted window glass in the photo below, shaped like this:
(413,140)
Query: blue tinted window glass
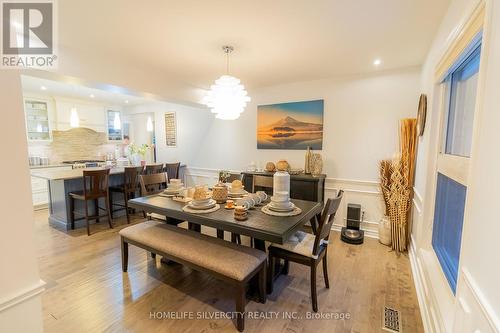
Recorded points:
(448,223)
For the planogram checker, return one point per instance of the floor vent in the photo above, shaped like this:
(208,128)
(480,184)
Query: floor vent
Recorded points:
(391,320)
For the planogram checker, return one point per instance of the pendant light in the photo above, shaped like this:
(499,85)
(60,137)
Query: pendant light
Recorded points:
(74,120)
(149,125)
(117,124)
(227,98)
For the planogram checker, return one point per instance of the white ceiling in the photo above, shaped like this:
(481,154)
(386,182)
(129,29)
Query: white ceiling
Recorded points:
(279,41)
(109,95)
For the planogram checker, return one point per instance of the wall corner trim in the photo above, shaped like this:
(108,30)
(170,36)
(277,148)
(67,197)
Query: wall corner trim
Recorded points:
(22,295)
(480,299)
(418,278)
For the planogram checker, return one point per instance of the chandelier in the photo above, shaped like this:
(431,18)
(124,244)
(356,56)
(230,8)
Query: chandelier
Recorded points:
(227,98)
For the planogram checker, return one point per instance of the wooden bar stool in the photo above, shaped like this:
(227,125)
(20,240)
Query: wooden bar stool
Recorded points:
(129,189)
(95,186)
(152,169)
(172,170)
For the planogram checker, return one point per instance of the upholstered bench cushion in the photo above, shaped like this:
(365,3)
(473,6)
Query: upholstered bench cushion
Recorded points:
(300,243)
(229,259)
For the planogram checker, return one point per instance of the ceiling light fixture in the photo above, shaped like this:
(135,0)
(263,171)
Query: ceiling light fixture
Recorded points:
(227,98)
(43,88)
(117,124)
(149,125)
(126,101)
(74,120)
(92,96)
(377,62)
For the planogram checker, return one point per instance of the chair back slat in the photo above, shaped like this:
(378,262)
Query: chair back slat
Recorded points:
(326,220)
(172,170)
(234,176)
(151,169)
(131,178)
(95,183)
(262,181)
(152,184)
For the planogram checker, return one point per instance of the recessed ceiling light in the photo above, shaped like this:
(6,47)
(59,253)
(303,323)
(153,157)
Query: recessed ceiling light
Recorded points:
(43,88)
(91,95)
(126,101)
(377,62)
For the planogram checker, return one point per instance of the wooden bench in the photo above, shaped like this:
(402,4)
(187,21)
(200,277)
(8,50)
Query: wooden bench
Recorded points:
(226,261)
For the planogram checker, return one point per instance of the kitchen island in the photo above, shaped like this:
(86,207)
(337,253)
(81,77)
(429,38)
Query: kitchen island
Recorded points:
(61,182)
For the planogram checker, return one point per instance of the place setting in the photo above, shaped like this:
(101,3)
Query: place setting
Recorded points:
(236,190)
(202,202)
(174,187)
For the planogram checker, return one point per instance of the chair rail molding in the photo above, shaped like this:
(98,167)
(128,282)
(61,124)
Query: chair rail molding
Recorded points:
(364,192)
(22,295)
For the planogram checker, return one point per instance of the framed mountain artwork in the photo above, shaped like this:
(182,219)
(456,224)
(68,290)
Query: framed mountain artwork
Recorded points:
(295,125)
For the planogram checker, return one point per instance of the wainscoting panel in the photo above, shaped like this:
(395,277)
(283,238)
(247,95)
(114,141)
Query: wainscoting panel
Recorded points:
(363,192)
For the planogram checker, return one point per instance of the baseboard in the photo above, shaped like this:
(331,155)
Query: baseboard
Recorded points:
(22,296)
(418,279)
(368,233)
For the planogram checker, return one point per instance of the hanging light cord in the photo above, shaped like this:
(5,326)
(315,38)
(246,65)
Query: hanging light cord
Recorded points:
(227,49)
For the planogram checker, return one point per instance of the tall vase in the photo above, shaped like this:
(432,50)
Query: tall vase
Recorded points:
(307,161)
(281,182)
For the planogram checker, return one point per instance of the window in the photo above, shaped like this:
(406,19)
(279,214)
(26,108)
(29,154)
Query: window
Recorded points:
(447,233)
(459,104)
(462,93)
(114,125)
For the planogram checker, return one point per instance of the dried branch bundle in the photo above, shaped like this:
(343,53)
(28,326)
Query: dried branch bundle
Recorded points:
(396,183)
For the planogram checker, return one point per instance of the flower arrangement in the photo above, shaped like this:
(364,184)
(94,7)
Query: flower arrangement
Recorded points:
(141,150)
(224,176)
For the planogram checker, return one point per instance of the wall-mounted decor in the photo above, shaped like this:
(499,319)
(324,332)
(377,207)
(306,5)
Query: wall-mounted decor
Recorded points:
(170,129)
(422,114)
(295,125)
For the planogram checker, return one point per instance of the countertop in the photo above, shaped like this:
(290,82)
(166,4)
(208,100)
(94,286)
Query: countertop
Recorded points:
(33,167)
(64,174)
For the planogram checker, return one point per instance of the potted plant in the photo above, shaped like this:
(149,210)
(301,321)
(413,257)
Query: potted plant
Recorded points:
(138,153)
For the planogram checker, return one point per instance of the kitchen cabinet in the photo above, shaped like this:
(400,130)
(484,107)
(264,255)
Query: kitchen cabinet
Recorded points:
(40,189)
(38,127)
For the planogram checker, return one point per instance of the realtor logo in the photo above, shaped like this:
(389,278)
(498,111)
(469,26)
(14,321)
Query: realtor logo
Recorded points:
(28,30)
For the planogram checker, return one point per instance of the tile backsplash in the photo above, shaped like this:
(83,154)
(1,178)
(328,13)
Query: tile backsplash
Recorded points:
(74,144)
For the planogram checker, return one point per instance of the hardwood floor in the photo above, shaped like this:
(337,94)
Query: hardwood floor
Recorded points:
(87,292)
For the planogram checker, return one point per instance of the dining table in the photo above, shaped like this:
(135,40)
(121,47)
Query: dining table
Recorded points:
(259,226)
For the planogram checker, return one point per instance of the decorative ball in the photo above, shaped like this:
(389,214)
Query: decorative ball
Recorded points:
(270,167)
(282,165)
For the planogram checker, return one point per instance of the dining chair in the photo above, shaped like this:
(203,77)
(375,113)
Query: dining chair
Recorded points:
(172,170)
(128,189)
(154,184)
(151,169)
(263,182)
(308,249)
(95,186)
(234,176)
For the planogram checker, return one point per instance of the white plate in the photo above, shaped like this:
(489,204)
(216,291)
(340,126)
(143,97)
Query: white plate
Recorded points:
(208,205)
(202,202)
(279,208)
(171,191)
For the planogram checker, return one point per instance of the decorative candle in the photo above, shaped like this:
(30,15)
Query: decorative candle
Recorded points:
(281,182)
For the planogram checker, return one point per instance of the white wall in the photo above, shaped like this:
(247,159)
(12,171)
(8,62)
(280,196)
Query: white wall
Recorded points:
(360,128)
(20,284)
(360,124)
(477,302)
(192,125)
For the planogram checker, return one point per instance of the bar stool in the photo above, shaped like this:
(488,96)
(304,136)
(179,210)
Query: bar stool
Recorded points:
(95,186)
(152,169)
(172,170)
(129,189)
